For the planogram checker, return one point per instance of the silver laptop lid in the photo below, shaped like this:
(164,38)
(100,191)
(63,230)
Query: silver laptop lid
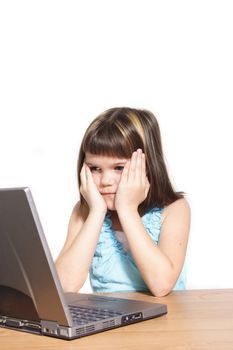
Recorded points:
(28,277)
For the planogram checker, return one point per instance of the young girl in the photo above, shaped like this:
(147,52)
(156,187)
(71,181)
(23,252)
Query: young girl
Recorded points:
(130,228)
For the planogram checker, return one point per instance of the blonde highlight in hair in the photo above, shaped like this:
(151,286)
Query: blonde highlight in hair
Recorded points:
(138,126)
(126,135)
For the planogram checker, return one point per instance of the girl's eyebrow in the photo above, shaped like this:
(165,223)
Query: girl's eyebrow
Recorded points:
(92,164)
(113,164)
(122,162)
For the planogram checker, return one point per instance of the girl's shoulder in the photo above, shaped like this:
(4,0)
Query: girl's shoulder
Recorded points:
(76,221)
(79,212)
(178,208)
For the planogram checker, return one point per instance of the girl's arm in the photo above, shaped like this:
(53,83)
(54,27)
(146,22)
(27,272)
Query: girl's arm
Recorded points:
(74,261)
(75,258)
(159,265)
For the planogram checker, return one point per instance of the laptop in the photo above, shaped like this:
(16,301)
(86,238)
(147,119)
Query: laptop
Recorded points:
(31,296)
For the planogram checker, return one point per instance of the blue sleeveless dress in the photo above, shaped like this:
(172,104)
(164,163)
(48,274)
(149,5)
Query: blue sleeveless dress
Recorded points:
(113,268)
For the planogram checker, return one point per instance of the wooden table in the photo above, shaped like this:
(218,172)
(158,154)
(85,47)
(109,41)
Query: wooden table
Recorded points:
(196,319)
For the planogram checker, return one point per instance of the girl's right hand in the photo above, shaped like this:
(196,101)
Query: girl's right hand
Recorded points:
(90,192)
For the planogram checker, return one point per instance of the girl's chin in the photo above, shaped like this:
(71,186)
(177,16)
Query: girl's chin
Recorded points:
(111,207)
(110,204)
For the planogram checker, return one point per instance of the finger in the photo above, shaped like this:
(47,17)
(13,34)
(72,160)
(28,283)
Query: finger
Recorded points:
(143,168)
(89,177)
(125,172)
(83,175)
(132,167)
(138,172)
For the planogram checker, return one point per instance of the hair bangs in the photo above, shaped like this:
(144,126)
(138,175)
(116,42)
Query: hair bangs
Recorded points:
(108,142)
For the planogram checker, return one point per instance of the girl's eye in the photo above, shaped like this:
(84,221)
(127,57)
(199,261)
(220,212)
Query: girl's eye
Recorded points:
(95,169)
(119,168)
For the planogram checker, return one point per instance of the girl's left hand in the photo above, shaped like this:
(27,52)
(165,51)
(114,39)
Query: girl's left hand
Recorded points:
(134,185)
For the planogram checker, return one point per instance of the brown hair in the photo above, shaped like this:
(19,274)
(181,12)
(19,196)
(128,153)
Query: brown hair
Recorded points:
(121,131)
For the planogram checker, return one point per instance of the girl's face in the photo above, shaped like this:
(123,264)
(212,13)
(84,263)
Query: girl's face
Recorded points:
(106,172)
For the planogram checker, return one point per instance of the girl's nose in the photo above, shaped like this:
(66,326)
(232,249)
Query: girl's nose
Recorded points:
(107,179)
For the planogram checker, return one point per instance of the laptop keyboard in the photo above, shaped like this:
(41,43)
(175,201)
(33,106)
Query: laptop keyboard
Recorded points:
(83,315)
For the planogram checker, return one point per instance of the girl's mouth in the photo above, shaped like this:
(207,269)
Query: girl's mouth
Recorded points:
(108,194)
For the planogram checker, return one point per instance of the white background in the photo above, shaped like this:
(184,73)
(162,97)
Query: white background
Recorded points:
(64,62)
